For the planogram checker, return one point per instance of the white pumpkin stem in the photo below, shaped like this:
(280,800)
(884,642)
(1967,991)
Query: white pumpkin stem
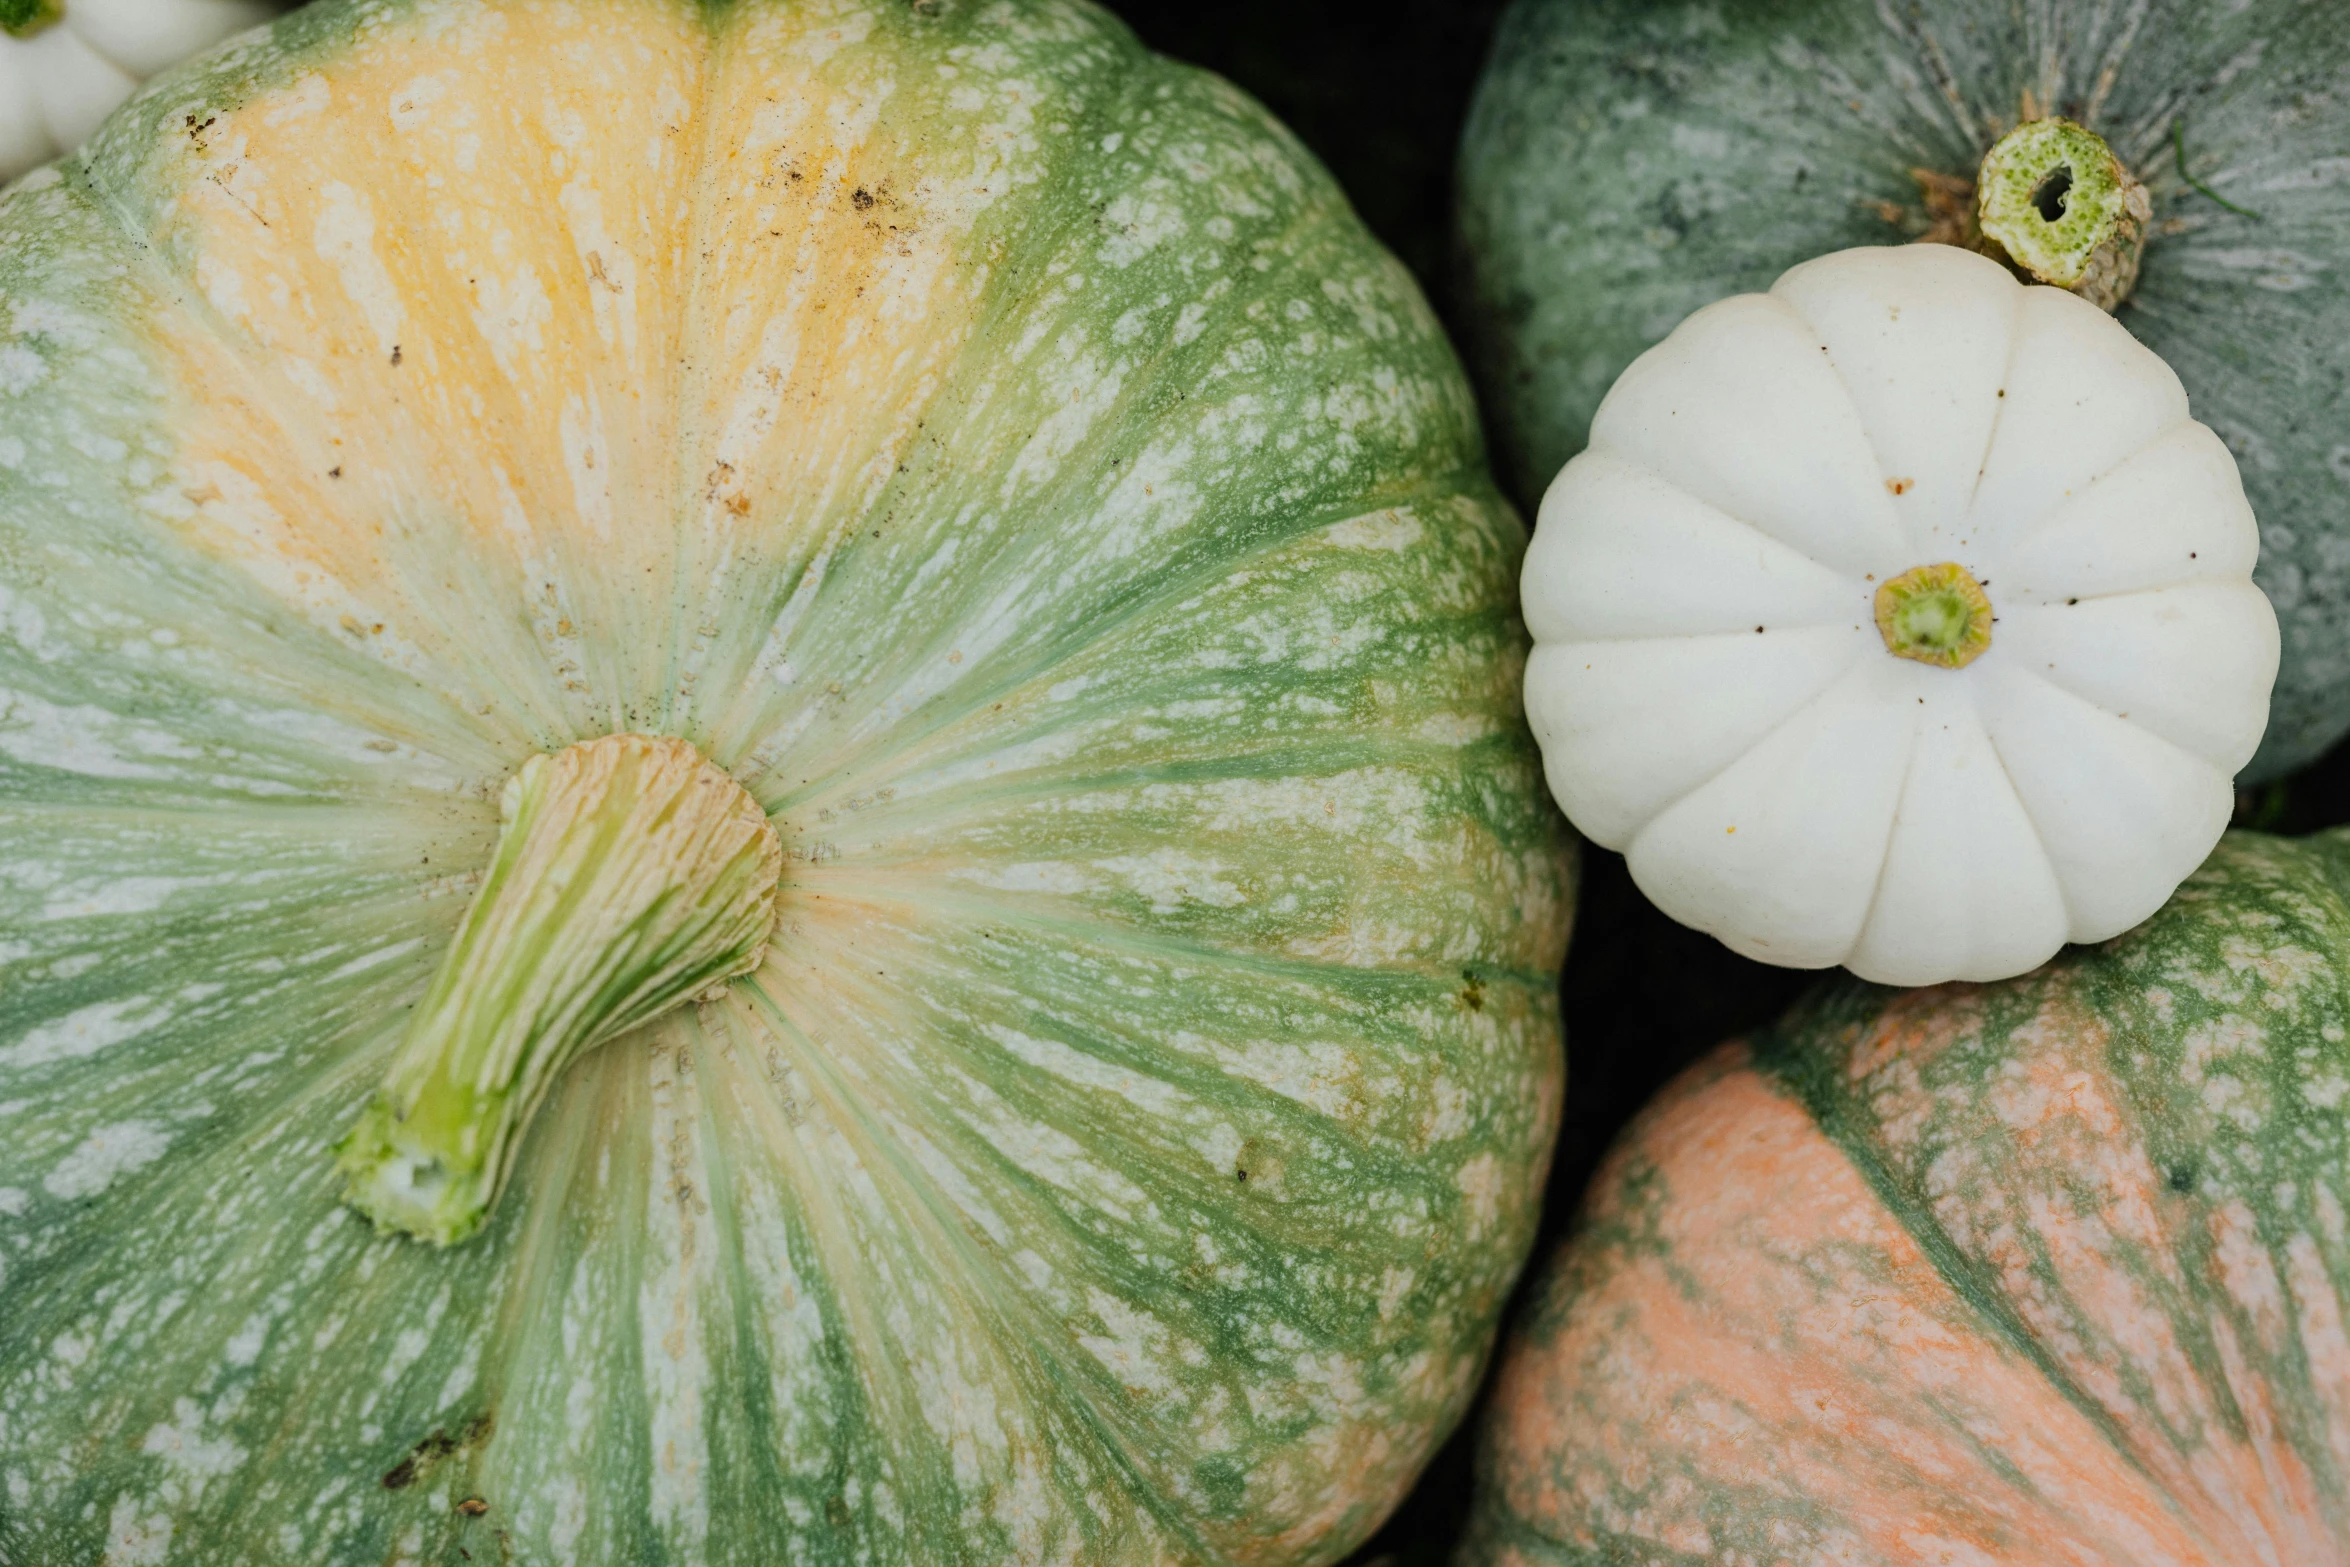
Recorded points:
(2055,201)
(632,875)
(24,18)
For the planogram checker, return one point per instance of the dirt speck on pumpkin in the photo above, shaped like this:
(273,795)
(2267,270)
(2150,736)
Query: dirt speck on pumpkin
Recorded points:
(429,1450)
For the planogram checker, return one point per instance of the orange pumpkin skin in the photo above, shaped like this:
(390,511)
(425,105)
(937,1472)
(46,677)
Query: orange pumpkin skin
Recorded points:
(2052,1271)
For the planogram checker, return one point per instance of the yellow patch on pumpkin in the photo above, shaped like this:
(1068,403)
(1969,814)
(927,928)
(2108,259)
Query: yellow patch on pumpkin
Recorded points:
(515,328)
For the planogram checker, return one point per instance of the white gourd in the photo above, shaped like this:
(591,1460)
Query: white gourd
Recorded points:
(66,64)
(1820,753)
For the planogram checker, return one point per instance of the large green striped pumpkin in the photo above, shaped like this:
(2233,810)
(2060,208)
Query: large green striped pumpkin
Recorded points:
(1628,161)
(1004,455)
(2052,1271)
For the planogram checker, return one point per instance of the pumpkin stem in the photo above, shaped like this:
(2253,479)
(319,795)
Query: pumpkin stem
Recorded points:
(1935,614)
(2056,203)
(24,18)
(632,875)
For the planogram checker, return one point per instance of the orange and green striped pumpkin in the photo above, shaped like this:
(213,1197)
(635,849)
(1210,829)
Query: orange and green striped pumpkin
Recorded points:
(2046,1272)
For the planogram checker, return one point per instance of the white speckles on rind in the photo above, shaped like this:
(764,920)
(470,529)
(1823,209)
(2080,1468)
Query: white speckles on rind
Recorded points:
(1152,1095)
(407,1348)
(2323,1338)
(1449,1113)
(375,959)
(681,1272)
(135,1538)
(1394,1285)
(610,268)
(1457,728)
(2275,269)
(1168,879)
(188,1455)
(20,370)
(1323,1075)
(465,1375)
(1051,876)
(224,290)
(83,739)
(113,896)
(512,312)
(1700,141)
(83,1032)
(114,1150)
(236,515)
(411,106)
(345,239)
(1390,532)
(244,1347)
(1138,225)
(569,1521)
(1481,1182)
(1081,391)
(1052,1155)
(305,98)
(1131,1346)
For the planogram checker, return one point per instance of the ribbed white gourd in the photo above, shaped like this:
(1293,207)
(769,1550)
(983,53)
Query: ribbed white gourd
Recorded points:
(1717,697)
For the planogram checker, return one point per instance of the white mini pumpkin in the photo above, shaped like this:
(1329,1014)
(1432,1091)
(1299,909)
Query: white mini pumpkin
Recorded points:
(1902,618)
(66,64)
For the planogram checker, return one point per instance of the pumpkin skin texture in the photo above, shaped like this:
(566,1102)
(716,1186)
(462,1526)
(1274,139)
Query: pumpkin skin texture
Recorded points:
(1899,618)
(1627,162)
(1002,452)
(77,60)
(2048,1271)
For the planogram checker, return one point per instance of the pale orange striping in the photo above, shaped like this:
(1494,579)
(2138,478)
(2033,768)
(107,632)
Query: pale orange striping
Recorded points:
(1783,1333)
(546,316)
(2014,1193)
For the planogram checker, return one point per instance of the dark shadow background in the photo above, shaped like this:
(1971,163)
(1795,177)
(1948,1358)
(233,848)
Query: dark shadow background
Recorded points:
(1379,93)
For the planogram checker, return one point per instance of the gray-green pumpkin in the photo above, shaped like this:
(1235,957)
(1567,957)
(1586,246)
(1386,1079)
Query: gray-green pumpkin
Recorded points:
(937,452)
(1628,161)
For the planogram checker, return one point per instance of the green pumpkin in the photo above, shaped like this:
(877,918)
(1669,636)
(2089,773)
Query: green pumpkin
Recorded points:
(1044,1045)
(2049,1273)
(1628,161)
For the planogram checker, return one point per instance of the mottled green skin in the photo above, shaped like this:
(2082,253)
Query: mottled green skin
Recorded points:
(1628,161)
(1136,1169)
(2170,1281)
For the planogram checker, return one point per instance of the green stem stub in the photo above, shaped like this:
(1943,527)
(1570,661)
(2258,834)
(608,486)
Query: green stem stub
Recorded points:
(1937,615)
(631,876)
(23,18)
(2060,205)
